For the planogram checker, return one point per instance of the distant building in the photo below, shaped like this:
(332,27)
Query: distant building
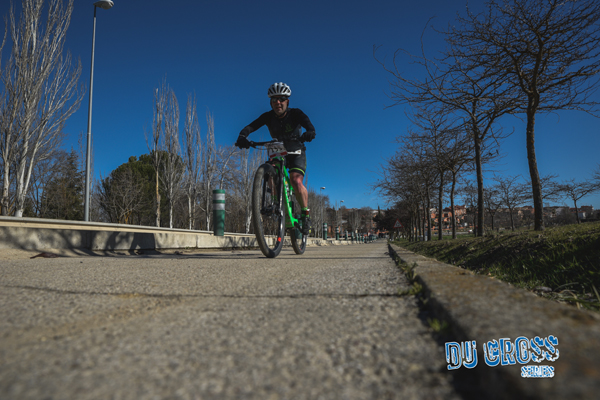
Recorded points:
(459,211)
(583,212)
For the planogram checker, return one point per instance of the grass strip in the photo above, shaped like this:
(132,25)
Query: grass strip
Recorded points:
(560,263)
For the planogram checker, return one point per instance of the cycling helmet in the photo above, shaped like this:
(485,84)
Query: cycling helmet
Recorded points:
(279,89)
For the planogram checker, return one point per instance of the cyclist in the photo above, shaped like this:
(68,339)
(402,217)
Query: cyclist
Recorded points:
(285,124)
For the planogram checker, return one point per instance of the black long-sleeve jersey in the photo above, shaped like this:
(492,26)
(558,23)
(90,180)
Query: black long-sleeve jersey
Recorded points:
(286,129)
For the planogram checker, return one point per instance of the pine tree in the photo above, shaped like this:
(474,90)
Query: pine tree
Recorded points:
(63,197)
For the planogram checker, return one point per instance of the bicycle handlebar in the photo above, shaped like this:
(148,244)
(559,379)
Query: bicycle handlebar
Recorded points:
(255,144)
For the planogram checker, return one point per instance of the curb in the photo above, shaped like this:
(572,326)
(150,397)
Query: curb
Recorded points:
(482,309)
(44,234)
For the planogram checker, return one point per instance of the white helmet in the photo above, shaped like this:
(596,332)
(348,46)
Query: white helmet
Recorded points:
(279,89)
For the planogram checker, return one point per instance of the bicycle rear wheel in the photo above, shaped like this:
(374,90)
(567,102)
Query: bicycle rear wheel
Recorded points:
(298,240)
(267,215)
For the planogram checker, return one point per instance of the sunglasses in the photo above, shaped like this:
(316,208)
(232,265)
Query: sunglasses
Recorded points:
(278,99)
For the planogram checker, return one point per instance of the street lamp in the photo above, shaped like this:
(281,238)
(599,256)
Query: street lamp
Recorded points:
(322,206)
(337,218)
(105,5)
(341,201)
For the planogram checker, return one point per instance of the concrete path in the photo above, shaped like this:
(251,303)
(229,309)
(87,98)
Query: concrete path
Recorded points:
(216,325)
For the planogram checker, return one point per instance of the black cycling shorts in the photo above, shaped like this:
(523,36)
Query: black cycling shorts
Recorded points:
(296,162)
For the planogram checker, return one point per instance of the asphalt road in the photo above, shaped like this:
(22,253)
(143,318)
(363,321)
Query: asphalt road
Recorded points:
(216,325)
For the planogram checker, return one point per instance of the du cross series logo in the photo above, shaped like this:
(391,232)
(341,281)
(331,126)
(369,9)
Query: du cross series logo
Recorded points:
(505,352)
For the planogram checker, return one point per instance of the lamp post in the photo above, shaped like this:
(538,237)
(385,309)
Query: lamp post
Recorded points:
(341,219)
(105,5)
(337,220)
(322,207)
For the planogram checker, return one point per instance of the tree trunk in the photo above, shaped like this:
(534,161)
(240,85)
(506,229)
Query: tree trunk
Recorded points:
(157,200)
(440,204)
(7,161)
(4,203)
(538,216)
(576,212)
(207,203)
(249,221)
(512,221)
(171,212)
(480,204)
(23,173)
(428,215)
(418,222)
(192,209)
(452,205)
(190,217)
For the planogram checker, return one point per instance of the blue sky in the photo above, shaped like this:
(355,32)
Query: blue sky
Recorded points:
(228,52)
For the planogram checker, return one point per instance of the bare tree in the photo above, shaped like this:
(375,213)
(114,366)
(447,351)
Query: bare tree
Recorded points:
(431,134)
(549,187)
(419,165)
(171,167)
(366,215)
(192,157)
(450,150)
(596,177)
(493,202)
(459,156)
(154,143)
(121,195)
(6,133)
(576,191)
(511,193)
(469,194)
(319,204)
(354,219)
(408,175)
(396,185)
(466,88)
(339,216)
(41,92)
(249,163)
(549,49)
(400,183)
(45,171)
(209,167)
(225,158)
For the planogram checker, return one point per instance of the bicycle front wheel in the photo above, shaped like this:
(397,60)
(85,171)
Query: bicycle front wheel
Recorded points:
(267,215)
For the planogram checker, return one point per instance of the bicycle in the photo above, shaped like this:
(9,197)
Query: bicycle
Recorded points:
(273,203)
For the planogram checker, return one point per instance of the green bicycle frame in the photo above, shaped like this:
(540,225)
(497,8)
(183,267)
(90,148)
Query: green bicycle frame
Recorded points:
(290,221)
